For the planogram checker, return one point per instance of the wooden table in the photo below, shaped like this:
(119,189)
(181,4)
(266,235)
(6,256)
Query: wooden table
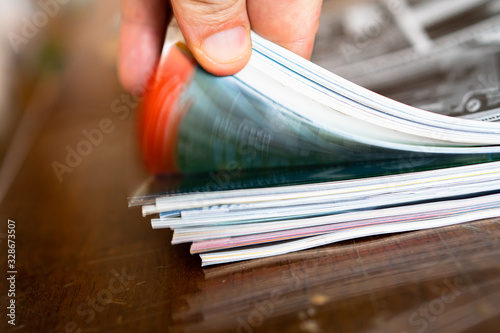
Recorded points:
(87,263)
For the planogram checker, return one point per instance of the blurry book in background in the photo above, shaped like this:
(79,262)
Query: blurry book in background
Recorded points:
(285,155)
(437,55)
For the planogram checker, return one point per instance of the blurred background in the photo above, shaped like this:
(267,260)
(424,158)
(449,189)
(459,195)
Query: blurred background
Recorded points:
(57,65)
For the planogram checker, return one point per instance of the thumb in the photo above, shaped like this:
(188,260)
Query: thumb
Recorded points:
(217,33)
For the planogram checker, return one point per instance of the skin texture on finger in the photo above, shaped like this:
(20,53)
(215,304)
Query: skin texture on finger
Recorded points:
(142,33)
(290,23)
(217,33)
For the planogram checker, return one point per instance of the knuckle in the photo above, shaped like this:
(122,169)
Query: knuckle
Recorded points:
(215,7)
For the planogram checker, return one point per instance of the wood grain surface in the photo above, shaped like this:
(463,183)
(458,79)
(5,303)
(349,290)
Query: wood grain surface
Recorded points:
(87,263)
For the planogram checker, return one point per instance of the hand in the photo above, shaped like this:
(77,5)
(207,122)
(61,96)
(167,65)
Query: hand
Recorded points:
(216,31)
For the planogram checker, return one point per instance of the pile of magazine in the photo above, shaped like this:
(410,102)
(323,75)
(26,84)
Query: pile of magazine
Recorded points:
(285,155)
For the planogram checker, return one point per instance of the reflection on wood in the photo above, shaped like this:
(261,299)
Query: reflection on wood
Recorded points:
(419,281)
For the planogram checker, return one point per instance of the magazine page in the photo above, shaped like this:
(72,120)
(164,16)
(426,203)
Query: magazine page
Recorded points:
(287,154)
(196,122)
(419,217)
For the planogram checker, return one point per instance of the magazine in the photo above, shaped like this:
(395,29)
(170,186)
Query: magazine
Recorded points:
(286,155)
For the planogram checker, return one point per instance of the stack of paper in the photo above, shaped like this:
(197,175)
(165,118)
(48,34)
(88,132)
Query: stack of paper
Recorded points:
(286,155)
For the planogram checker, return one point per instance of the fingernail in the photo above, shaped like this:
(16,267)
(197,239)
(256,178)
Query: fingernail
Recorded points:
(226,46)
